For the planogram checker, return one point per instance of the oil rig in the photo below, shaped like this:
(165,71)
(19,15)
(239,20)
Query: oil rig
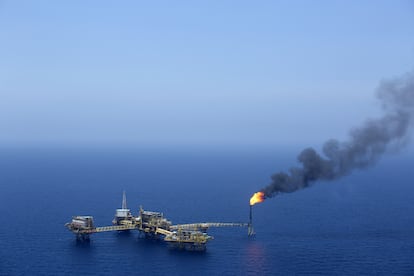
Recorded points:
(152,225)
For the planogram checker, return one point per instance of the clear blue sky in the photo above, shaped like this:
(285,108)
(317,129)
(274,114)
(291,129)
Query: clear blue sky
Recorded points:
(196,72)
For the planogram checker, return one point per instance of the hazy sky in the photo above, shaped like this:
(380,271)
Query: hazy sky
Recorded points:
(196,72)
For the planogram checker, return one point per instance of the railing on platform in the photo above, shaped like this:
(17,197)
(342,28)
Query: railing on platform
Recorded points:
(207,225)
(114,228)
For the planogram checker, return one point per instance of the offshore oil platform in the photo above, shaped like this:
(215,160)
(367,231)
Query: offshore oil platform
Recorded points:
(153,225)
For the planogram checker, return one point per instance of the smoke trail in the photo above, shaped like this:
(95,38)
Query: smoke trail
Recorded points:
(365,146)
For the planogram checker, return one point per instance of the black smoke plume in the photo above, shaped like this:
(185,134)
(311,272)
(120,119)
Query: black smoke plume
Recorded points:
(366,144)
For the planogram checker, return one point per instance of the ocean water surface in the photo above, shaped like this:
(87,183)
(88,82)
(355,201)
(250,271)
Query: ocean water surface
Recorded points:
(362,224)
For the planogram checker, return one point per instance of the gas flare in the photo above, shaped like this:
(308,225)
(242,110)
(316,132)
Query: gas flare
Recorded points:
(257,198)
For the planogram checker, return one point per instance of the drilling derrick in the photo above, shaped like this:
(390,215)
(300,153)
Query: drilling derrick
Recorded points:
(124,203)
(123,216)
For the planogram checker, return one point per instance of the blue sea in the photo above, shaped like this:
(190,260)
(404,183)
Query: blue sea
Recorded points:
(362,224)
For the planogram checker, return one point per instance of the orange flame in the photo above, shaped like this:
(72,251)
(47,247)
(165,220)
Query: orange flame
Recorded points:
(257,198)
